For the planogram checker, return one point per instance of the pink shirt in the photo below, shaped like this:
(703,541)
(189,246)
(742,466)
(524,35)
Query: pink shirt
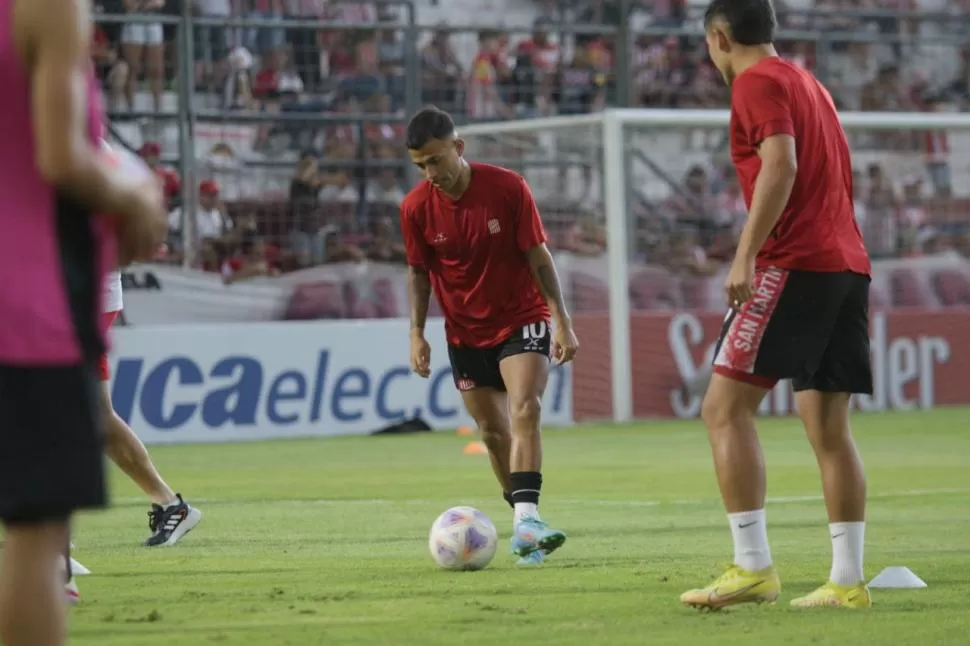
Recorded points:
(54,252)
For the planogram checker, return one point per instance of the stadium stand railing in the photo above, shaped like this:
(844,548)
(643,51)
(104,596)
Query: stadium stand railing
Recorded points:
(280,124)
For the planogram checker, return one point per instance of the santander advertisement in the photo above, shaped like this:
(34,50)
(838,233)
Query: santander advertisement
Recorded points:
(920,360)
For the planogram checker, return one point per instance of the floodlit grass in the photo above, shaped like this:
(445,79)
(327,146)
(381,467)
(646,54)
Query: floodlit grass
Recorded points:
(325,542)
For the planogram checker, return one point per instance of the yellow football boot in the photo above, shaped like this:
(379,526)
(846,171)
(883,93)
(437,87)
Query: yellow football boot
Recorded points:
(832,594)
(736,586)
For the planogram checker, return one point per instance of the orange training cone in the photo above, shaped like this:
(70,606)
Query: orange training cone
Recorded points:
(475,448)
(465,431)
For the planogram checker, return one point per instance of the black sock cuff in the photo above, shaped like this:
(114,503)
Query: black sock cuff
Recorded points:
(67,563)
(508,498)
(526,486)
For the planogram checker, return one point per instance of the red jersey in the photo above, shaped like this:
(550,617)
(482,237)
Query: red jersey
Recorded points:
(474,250)
(817,230)
(171,183)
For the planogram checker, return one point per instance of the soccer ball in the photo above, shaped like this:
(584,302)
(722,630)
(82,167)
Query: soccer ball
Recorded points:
(463,538)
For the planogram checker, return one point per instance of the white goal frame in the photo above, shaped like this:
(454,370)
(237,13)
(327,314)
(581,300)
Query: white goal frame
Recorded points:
(612,122)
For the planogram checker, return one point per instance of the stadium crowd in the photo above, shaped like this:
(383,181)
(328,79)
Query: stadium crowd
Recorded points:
(329,190)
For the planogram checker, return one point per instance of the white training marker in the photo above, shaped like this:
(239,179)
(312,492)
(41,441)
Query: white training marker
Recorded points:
(77,569)
(897,577)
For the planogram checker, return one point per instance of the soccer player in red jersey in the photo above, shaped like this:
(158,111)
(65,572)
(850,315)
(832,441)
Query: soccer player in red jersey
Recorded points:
(799,293)
(473,235)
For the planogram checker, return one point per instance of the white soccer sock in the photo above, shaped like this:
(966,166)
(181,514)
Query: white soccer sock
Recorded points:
(174,503)
(750,540)
(525,510)
(848,540)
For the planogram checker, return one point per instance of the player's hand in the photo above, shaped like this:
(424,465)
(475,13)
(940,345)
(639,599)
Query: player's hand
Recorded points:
(564,344)
(420,355)
(142,225)
(739,285)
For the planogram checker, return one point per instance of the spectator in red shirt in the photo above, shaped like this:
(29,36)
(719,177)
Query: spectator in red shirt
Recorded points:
(278,81)
(545,53)
(151,152)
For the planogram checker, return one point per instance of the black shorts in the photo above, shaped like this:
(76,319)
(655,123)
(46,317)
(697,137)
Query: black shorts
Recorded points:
(810,327)
(479,367)
(51,444)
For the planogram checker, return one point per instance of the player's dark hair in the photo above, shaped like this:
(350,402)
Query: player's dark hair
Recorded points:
(752,22)
(427,124)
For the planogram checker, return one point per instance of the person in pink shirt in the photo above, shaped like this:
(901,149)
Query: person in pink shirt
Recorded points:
(54,179)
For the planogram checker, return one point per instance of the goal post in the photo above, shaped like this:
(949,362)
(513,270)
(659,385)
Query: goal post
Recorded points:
(633,169)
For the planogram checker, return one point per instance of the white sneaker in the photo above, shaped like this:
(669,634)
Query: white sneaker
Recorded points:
(170,524)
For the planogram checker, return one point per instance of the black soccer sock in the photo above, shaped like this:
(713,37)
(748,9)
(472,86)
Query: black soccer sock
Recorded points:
(526,486)
(508,499)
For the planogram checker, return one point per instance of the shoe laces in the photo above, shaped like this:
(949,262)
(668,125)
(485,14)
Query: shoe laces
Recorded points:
(155,517)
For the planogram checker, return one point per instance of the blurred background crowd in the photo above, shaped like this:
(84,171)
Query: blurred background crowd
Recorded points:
(278,124)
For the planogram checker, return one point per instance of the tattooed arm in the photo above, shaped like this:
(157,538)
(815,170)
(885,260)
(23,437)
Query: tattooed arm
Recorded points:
(547,279)
(419,291)
(565,344)
(531,240)
(419,295)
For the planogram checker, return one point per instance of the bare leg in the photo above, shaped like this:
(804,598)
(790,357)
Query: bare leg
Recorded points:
(489,408)
(525,375)
(32,605)
(118,81)
(155,68)
(133,56)
(826,420)
(129,453)
(728,411)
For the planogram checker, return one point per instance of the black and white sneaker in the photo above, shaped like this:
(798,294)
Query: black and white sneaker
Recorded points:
(170,524)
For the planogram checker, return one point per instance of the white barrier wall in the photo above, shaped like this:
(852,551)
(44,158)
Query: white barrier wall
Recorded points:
(231,382)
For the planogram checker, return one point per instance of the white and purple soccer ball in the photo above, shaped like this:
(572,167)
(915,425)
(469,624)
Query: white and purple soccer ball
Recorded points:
(463,538)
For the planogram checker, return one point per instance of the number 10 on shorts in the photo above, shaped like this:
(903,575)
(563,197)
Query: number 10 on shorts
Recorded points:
(534,331)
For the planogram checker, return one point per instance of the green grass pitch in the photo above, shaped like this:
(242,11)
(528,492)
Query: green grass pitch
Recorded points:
(324,542)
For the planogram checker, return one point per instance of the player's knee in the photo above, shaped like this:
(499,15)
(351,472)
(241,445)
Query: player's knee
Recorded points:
(826,420)
(493,430)
(720,411)
(831,438)
(525,413)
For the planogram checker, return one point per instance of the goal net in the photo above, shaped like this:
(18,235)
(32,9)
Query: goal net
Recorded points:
(643,211)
